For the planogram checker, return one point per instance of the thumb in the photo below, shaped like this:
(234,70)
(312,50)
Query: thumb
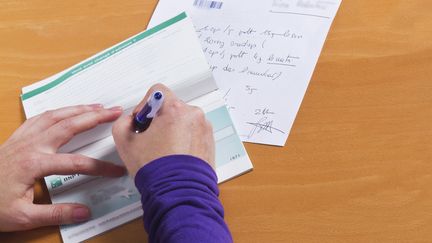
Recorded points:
(122,129)
(57,214)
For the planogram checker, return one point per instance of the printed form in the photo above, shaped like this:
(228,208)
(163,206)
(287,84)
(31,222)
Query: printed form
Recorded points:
(169,53)
(262,54)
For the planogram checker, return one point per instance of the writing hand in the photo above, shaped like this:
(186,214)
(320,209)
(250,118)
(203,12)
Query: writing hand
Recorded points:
(31,153)
(178,128)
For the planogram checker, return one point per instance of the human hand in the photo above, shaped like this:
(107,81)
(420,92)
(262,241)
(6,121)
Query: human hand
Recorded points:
(31,153)
(177,129)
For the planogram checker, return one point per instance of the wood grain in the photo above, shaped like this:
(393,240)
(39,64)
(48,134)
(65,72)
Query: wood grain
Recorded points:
(357,166)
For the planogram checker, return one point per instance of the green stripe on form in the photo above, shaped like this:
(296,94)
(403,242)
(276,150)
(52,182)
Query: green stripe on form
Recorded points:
(103,56)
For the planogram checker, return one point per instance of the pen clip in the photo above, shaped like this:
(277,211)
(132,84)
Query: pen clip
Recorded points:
(155,104)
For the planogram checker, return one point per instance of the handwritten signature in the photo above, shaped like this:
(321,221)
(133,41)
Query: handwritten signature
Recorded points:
(263,125)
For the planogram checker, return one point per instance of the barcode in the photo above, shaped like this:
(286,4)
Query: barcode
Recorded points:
(207,4)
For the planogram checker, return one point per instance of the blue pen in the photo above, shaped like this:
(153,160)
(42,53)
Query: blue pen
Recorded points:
(144,117)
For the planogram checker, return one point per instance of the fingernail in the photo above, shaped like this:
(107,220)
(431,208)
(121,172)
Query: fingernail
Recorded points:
(96,106)
(116,108)
(80,214)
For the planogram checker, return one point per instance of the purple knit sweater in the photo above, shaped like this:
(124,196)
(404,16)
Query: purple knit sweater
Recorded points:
(180,201)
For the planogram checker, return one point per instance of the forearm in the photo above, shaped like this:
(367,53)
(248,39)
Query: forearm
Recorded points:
(180,201)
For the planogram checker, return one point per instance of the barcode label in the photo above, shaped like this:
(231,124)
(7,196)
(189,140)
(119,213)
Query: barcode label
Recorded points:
(207,4)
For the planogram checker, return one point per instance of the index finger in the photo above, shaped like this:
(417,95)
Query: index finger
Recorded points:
(45,120)
(62,132)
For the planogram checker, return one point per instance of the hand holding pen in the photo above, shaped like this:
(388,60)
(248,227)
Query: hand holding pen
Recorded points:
(176,128)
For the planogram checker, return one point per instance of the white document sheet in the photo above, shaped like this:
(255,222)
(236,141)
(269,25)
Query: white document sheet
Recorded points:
(169,53)
(262,53)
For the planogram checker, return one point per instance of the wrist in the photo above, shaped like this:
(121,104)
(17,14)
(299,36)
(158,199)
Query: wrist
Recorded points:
(172,167)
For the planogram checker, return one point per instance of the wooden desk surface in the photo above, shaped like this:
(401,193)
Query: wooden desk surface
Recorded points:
(357,166)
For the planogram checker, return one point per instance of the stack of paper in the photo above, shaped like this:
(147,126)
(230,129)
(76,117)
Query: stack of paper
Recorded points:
(169,53)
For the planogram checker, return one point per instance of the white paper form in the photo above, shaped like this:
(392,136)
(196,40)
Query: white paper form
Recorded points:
(169,53)
(262,53)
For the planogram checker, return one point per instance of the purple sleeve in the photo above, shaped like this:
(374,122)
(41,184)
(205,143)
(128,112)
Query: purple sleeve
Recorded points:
(180,201)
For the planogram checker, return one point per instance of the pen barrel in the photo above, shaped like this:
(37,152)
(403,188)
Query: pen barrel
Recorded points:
(141,122)
(141,126)
(141,116)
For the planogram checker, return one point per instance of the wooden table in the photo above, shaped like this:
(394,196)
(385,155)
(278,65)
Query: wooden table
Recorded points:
(357,166)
